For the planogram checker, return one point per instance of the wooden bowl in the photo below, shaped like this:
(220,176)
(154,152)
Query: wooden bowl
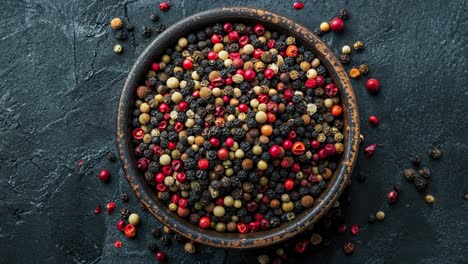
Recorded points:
(234,240)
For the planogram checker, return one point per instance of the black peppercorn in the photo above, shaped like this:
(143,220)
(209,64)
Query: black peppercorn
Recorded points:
(160,28)
(435,153)
(154,17)
(165,240)
(420,183)
(345,58)
(125,212)
(124,197)
(343,14)
(146,31)
(425,172)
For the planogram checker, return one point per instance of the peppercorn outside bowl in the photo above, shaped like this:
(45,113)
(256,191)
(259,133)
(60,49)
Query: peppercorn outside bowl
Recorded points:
(287,230)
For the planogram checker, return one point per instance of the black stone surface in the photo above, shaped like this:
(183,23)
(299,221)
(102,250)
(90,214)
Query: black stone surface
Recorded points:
(59,86)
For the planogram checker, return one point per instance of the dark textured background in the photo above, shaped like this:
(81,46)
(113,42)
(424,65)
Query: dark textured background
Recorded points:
(60,83)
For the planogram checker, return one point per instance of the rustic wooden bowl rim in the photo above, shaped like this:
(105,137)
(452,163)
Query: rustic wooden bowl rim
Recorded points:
(304,220)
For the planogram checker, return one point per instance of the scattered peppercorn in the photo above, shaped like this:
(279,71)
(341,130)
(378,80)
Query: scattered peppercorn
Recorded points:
(348,248)
(118,49)
(343,14)
(190,248)
(146,31)
(345,58)
(420,183)
(156,233)
(116,23)
(380,215)
(124,197)
(363,69)
(435,153)
(358,45)
(125,213)
(425,173)
(263,259)
(154,17)
(160,28)
(429,199)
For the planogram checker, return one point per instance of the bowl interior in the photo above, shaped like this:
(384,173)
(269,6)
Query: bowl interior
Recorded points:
(271,21)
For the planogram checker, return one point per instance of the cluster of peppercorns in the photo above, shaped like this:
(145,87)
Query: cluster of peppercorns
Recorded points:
(117,25)
(238,128)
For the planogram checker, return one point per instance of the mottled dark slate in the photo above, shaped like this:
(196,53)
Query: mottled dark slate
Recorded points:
(59,89)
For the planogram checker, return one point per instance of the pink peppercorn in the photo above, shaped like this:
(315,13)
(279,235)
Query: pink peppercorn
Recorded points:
(372,86)
(337,24)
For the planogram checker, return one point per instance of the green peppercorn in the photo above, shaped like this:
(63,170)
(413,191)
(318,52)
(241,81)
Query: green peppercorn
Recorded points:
(219,211)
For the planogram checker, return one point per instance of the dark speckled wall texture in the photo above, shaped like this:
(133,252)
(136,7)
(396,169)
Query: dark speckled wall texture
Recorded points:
(59,87)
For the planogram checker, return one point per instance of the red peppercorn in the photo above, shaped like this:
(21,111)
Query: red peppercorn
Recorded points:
(175,198)
(254,226)
(215,142)
(164,6)
(271,118)
(369,150)
(288,94)
(138,133)
(160,256)
(289,184)
(264,224)
(311,83)
(110,207)
(203,164)
(292,135)
(220,201)
(97,210)
(320,80)
(117,244)
(322,154)
(298,5)
(164,108)
(176,165)
(285,163)
(159,177)
(242,228)
(330,149)
(171,145)
(354,229)
(243,108)
(204,222)
(337,24)
(196,94)
(296,167)
(275,151)
(244,40)
(104,175)
(392,196)
(315,144)
(331,89)
(166,169)
(269,73)
(252,206)
(287,144)
(257,53)
(227,27)
(155,66)
(301,246)
(130,231)
(142,164)
(342,228)
(187,64)
(271,43)
(183,203)
(215,38)
(161,187)
(229,142)
(372,86)
(212,56)
(249,75)
(259,29)
(223,154)
(233,36)
(162,125)
(181,177)
(298,148)
(183,106)
(121,225)
(373,120)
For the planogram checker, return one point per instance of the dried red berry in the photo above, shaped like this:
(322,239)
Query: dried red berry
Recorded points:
(164,6)
(289,184)
(228,27)
(229,142)
(331,89)
(298,5)
(121,225)
(301,246)
(373,120)
(142,164)
(337,24)
(298,148)
(242,228)
(269,73)
(275,151)
(130,231)
(223,154)
(204,222)
(392,196)
(315,144)
(155,66)
(259,29)
(160,256)
(369,150)
(97,210)
(372,86)
(117,244)
(104,175)
(330,149)
(110,207)
(287,144)
(254,226)
(233,36)
(187,64)
(354,229)
(342,228)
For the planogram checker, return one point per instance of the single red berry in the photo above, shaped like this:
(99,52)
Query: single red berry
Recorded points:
(161,187)
(167,170)
(223,154)
(142,164)
(155,66)
(271,118)
(164,6)
(275,151)
(244,40)
(227,27)
(187,64)
(298,148)
(254,226)
(287,144)
(204,222)
(130,231)
(292,135)
(392,196)
(288,94)
(196,94)
(104,175)
(183,203)
(121,225)
(330,149)
(233,36)
(164,108)
(322,154)
(296,167)
(171,145)
(243,108)
(331,89)
(229,142)
(212,55)
(257,53)
(215,38)
(311,83)
(97,210)
(370,150)
(242,228)
(289,184)
(220,201)
(373,120)
(181,177)
(298,5)
(117,244)
(269,73)
(175,198)
(159,177)
(215,142)
(264,224)
(337,24)
(249,75)
(138,133)
(354,229)
(160,256)
(372,86)
(259,29)
(110,207)
(203,164)
(301,246)
(320,80)
(251,206)
(285,163)
(183,106)
(271,43)
(315,144)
